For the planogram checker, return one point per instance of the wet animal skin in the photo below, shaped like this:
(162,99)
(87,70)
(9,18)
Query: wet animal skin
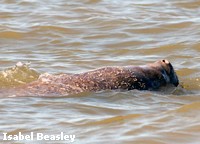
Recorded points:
(147,77)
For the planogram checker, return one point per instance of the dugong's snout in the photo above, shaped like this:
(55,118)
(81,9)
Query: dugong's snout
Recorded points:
(168,72)
(171,72)
(174,79)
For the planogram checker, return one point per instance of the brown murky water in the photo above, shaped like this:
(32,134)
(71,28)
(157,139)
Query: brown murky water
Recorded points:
(59,36)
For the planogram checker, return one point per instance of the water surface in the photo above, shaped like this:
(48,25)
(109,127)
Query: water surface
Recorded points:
(58,36)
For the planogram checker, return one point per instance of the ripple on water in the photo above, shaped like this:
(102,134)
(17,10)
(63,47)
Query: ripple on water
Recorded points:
(76,36)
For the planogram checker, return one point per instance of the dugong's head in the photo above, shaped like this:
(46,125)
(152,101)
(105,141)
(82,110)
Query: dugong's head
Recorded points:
(167,71)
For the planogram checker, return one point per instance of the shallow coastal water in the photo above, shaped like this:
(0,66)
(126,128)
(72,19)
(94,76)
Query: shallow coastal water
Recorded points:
(72,37)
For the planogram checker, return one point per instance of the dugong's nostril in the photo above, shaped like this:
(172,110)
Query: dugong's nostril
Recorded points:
(165,61)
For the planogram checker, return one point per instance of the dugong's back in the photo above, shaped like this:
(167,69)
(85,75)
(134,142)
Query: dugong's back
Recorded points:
(147,77)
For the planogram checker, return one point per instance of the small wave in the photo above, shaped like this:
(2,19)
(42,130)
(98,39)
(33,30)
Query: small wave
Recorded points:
(11,35)
(195,106)
(116,119)
(59,29)
(17,75)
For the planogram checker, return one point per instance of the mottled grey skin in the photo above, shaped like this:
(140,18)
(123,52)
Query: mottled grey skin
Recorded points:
(147,77)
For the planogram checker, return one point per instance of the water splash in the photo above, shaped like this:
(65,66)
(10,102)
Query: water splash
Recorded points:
(17,75)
